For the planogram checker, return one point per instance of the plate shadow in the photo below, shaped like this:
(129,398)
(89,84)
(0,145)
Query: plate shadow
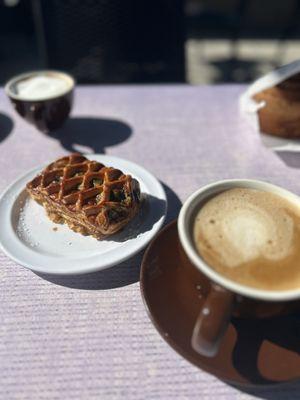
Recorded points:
(120,275)
(174,203)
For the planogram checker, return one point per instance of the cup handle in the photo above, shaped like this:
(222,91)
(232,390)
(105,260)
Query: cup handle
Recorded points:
(212,321)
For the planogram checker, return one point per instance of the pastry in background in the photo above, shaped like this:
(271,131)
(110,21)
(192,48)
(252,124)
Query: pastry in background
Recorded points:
(280,113)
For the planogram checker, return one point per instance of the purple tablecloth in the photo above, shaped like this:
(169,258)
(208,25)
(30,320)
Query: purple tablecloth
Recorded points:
(89,337)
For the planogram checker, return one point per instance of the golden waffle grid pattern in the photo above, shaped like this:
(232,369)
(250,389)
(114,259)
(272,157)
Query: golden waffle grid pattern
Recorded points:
(88,187)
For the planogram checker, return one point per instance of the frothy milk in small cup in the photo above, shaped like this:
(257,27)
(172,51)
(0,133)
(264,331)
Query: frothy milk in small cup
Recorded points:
(43,98)
(251,237)
(41,87)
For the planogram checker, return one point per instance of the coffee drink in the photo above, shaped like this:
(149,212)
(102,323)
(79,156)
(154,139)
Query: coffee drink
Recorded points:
(43,98)
(251,237)
(42,87)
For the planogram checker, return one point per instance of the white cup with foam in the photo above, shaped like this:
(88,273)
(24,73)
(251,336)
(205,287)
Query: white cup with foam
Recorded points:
(224,291)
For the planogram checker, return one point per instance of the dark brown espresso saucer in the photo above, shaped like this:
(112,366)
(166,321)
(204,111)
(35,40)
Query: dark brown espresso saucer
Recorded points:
(253,351)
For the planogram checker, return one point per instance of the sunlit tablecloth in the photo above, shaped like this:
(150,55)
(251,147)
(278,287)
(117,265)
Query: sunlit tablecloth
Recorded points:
(89,337)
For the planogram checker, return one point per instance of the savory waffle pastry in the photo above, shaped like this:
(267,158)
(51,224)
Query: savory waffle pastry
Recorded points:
(91,198)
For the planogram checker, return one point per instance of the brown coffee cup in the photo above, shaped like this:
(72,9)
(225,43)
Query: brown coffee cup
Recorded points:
(47,113)
(227,298)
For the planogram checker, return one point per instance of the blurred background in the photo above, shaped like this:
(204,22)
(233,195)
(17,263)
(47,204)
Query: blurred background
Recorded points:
(157,41)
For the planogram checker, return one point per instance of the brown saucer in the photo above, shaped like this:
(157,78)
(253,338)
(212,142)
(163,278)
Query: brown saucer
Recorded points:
(253,351)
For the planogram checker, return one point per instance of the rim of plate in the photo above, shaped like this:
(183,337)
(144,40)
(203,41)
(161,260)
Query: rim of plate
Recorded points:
(16,250)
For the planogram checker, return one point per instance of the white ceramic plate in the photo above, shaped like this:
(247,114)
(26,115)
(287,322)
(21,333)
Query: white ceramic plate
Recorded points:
(31,239)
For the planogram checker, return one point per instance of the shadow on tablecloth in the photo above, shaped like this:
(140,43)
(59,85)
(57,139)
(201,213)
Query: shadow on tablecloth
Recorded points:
(290,158)
(90,134)
(283,392)
(120,275)
(287,391)
(6,126)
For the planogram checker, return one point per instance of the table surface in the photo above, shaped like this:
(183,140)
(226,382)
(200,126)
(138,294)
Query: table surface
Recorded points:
(89,337)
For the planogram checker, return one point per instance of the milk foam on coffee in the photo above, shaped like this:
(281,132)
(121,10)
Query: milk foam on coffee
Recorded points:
(41,87)
(252,237)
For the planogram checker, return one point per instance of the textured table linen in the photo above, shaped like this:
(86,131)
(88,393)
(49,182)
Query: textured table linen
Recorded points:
(89,337)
